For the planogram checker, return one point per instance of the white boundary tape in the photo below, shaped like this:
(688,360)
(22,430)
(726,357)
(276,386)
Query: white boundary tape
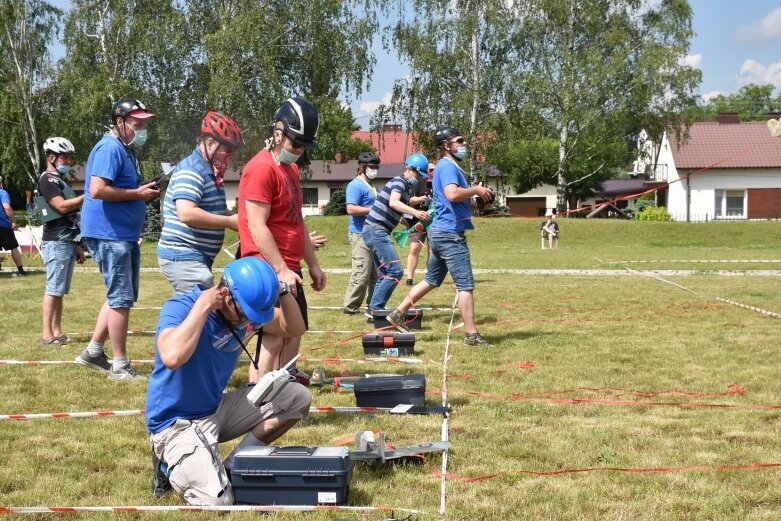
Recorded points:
(738,304)
(752,308)
(141,412)
(389,359)
(445,430)
(189,508)
(701,261)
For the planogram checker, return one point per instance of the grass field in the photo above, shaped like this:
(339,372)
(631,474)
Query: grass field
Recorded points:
(620,330)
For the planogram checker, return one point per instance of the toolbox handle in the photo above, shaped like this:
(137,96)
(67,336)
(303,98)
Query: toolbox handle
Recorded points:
(295,450)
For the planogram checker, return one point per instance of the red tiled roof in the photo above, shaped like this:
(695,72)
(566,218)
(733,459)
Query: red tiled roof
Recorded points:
(394,147)
(712,142)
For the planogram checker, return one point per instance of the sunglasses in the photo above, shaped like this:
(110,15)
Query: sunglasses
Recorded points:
(237,308)
(460,141)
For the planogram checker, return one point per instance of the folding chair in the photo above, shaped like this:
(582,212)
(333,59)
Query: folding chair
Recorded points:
(544,239)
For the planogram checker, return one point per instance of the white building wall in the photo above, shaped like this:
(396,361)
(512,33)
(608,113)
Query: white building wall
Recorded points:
(547,191)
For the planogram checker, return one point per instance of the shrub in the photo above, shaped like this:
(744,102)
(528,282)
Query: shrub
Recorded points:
(153,224)
(654,213)
(338,203)
(640,205)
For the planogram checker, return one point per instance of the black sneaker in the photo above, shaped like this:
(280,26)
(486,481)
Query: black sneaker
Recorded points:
(21,271)
(475,339)
(348,311)
(160,483)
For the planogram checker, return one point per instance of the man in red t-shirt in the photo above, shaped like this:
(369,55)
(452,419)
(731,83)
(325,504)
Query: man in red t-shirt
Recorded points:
(271,225)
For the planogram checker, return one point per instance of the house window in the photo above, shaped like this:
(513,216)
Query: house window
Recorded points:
(730,204)
(310,196)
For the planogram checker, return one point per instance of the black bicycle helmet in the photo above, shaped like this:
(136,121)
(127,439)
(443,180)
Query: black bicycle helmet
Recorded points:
(129,107)
(301,121)
(444,134)
(368,158)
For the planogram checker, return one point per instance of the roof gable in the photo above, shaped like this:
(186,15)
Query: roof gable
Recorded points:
(393,146)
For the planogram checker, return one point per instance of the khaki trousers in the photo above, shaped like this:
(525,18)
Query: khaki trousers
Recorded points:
(363,275)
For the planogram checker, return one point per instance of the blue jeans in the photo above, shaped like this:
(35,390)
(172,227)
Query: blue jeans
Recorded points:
(449,253)
(60,257)
(386,262)
(120,265)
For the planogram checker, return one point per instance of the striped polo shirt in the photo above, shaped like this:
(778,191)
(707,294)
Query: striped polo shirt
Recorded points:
(381,214)
(193,180)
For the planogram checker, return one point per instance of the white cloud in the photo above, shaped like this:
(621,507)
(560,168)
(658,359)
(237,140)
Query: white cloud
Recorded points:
(764,30)
(692,60)
(754,72)
(369,106)
(712,94)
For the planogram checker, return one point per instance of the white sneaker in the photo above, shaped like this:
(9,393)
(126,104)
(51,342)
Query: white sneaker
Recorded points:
(126,373)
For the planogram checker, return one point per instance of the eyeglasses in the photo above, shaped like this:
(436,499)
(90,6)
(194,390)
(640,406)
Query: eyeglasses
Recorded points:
(430,170)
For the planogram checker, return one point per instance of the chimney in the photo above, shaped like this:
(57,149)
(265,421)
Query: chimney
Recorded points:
(339,158)
(391,127)
(727,118)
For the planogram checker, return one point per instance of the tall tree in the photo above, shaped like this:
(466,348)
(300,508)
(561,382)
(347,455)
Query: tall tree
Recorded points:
(605,69)
(458,55)
(185,57)
(27,27)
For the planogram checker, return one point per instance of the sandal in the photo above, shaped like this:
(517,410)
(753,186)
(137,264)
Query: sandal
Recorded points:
(53,341)
(64,339)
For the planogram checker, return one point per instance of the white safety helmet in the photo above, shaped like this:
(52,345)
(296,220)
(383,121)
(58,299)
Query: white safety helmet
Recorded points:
(59,145)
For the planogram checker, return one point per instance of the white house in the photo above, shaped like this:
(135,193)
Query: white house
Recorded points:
(725,170)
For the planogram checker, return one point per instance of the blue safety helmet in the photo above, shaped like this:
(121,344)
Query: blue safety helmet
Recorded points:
(418,163)
(255,286)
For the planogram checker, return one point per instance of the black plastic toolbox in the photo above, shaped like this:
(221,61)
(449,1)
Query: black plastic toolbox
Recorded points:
(413,318)
(388,344)
(292,475)
(390,391)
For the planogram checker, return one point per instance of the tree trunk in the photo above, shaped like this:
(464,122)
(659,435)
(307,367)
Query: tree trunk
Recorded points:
(561,177)
(474,58)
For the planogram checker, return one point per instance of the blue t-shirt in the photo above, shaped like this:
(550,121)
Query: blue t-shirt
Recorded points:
(112,220)
(5,222)
(194,389)
(194,181)
(450,216)
(359,194)
(381,214)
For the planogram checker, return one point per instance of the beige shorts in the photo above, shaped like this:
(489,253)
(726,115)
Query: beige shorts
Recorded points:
(190,447)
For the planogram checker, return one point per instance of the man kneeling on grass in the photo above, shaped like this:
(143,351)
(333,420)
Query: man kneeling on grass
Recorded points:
(198,342)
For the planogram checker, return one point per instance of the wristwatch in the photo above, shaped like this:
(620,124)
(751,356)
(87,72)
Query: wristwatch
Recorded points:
(285,288)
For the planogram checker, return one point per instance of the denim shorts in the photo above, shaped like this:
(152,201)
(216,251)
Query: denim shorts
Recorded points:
(120,265)
(184,275)
(60,258)
(449,253)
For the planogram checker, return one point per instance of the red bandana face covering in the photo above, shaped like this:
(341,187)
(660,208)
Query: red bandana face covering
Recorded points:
(219,161)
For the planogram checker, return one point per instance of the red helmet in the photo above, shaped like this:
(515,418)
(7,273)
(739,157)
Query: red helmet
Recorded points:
(223,129)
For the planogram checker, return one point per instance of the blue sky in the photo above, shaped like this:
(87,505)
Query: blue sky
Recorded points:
(737,42)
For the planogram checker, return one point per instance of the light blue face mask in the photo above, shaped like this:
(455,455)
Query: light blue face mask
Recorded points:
(287,157)
(460,153)
(414,181)
(63,169)
(140,138)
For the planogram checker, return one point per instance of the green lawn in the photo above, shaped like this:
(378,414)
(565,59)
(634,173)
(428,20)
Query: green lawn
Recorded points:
(621,331)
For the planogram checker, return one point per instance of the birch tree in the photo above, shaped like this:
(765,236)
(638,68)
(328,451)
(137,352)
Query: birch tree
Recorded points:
(27,27)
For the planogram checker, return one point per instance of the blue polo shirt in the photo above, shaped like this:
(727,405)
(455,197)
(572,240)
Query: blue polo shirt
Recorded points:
(450,216)
(112,220)
(194,389)
(359,194)
(194,181)
(5,222)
